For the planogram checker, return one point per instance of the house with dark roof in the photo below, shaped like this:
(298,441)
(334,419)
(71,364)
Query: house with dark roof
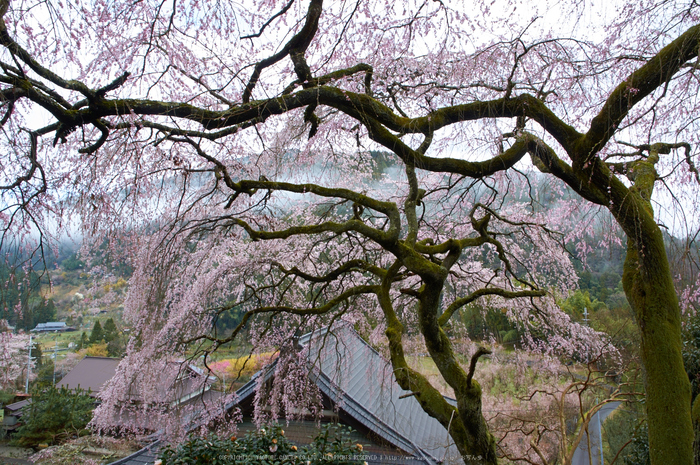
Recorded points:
(176,386)
(91,373)
(12,414)
(183,385)
(358,389)
(52,326)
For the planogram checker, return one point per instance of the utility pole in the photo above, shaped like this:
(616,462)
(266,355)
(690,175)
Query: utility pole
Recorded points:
(55,349)
(29,365)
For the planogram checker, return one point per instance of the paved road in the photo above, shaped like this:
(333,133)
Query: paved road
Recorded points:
(581,454)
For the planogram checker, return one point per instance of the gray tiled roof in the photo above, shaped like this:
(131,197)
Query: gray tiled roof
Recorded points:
(50,326)
(146,456)
(361,382)
(18,405)
(93,372)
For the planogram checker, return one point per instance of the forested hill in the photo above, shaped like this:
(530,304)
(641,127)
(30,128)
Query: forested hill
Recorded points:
(31,296)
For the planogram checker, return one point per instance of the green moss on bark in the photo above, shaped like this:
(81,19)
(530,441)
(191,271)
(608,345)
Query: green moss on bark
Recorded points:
(648,284)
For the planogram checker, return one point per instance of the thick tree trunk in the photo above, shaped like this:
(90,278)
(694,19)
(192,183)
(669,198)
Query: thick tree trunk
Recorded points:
(465,424)
(649,288)
(479,445)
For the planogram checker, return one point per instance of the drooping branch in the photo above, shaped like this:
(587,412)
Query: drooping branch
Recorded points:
(17,79)
(334,76)
(387,208)
(269,21)
(654,150)
(503,257)
(175,131)
(387,239)
(547,161)
(104,134)
(412,200)
(327,307)
(14,48)
(34,166)
(363,107)
(462,301)
(295,48)
(691,166)
(448,245)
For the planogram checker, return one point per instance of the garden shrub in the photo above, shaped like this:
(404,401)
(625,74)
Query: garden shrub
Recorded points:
(55,415)
(266,446)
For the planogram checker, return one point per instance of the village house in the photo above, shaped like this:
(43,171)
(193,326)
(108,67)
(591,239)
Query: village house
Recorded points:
(180,387)
(359,390)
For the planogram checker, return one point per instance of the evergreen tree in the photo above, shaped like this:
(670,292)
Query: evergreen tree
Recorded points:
(115,347)
(44,374)
(110,331)
(37,355)
(44,312)
(84,341)
(97,333)
(72,263)
(54,414)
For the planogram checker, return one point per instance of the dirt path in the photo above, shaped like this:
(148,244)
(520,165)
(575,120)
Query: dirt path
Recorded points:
(11,461)
(14,455)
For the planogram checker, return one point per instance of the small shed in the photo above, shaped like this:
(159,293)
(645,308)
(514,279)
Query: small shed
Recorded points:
(12,414)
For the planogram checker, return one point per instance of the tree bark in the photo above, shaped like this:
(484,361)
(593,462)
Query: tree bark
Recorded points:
(648,285)
(465,424)
(649,288)
(480,444)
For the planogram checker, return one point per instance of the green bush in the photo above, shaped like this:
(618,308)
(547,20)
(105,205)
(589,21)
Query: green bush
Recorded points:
(691,353)
(266,446)
(625,433)
(54,415)
(637,453)
(511,337)
(7,397)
